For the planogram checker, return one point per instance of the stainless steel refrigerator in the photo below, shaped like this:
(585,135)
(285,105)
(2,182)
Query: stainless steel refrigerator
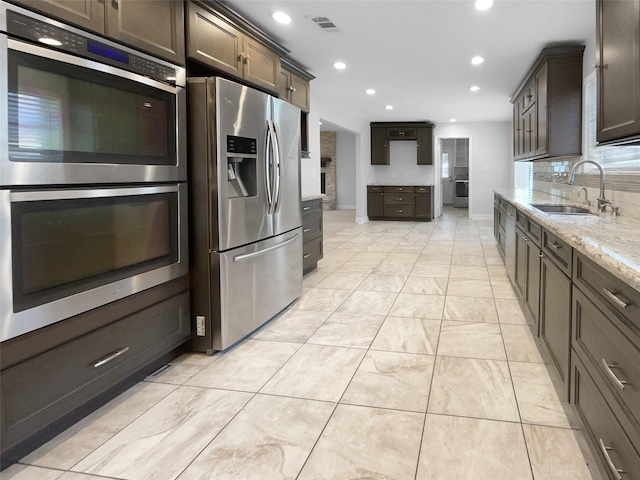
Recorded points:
(245,225)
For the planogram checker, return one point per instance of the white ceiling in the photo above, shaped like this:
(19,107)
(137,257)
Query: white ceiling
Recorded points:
(417,54)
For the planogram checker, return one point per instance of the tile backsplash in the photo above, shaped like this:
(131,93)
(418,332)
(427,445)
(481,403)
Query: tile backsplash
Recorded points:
(622,189)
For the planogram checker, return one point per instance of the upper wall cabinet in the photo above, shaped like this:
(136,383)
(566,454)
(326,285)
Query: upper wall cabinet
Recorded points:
(618,67)
(294,86)
(214,40)
(153,26)
(384,132)
(547,107)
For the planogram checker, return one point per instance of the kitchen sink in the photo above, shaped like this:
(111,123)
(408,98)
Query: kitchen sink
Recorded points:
(561,209)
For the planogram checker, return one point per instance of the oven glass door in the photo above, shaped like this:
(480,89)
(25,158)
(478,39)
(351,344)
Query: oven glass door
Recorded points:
(90,247)
(71,114)
(462,188)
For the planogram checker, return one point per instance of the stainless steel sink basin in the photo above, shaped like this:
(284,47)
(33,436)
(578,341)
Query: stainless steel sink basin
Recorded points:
(561,209)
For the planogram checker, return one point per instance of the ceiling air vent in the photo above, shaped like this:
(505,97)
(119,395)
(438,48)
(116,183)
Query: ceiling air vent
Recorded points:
(325,23)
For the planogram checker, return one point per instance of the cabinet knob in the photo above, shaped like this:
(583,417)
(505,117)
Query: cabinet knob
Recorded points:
(291,89)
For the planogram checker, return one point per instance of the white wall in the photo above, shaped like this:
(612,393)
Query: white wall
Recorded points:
(403,168)
(490,161)
(345,170)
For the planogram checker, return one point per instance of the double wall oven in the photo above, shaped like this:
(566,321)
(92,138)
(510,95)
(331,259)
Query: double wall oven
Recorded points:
(93,200)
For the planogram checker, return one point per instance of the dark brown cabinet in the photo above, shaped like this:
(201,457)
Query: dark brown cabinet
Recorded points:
(528,263)
(311,234)
(375,202)
(400,202)
(152,26)
(547,106)
(618,67)
(294,86)
(379,146)
(384,132)
(215,41)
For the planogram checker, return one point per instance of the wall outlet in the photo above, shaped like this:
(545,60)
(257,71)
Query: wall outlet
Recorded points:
(200,331)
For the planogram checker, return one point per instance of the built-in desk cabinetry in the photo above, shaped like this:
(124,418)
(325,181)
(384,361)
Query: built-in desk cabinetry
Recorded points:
(384,132)
(155,27)
(400,202)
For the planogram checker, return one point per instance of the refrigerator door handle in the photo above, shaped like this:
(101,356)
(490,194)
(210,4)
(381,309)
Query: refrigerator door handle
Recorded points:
(246,256)
(267,167)
(277,167)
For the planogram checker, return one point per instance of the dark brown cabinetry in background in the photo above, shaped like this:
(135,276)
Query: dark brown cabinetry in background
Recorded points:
(152,26)
(528,263)
(311,234)
(214,40)
(384,132)
(618,67)
(547,107)
(399,202)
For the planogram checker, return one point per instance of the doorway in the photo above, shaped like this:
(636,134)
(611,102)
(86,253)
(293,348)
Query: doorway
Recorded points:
(447,156)
(454,159)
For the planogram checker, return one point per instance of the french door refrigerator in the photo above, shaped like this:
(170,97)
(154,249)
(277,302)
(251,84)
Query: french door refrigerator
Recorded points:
(245,225)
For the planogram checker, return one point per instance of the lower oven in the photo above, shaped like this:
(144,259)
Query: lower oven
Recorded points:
(68,251)
(461,193)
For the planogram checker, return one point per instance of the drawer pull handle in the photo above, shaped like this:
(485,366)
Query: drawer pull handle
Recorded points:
(616,380)
(525,239)
(556,245)
(307,255)
(605,451)
(113,356)
(614,298)
(399,198)
(306,230)
(398,211)
(306,208)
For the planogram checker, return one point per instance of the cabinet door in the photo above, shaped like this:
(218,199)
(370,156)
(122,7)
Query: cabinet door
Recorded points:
(529,133)
(423,205)
(284,84)
(521,263)
(88,14)
(532,284)
(555,314)
(517,130)
(375,204)
(301,93)
(261,65)
(156,27)
(542,80)
(212,41)
(618,67)
(425,145)
(379,146)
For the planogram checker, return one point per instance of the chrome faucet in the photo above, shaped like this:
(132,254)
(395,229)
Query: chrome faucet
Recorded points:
(602,201)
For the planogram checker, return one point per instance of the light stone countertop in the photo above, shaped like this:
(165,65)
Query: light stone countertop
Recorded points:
(312,197)
(612,242)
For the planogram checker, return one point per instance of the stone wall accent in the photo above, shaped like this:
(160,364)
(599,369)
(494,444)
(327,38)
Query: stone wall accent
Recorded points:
(328,150)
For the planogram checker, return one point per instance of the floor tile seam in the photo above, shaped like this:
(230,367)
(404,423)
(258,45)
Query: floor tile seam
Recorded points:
(24,464)
(378,407)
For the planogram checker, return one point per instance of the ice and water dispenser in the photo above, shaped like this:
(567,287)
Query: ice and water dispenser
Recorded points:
(242,174)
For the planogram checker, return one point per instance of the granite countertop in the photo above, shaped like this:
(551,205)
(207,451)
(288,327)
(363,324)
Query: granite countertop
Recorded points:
(612,242)
(311,197)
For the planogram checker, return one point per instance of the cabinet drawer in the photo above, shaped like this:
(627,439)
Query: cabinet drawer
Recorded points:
(612,354)
(558,250)
(422,189)
(375,188)
(612,447)
(311,253)
(398,188)
(39,391)
(401,133)
(392,211)
(522,220)
(609,291)
(534,232)
(310,206)
(312,228)
(398,199)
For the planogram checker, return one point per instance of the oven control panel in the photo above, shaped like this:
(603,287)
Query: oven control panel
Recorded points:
(53,36)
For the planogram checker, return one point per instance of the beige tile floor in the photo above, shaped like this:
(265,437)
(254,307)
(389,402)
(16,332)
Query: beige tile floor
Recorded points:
(407,357)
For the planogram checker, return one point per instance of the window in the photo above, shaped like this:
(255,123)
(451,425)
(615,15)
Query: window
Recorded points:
(612,158)
(445,165)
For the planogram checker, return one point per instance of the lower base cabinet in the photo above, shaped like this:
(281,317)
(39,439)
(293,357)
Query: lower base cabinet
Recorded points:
(400,202)
(48,391)
(311,234)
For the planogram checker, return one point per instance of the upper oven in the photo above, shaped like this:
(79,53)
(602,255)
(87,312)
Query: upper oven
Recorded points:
(78,109)
(65,251)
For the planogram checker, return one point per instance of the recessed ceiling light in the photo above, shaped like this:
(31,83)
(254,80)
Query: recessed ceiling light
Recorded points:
(340,65)
(484,4)
(452,120)
(389,107)
(50,41)
(371,91)
(475,88)
(319,123)
(477,60)
(281,17)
